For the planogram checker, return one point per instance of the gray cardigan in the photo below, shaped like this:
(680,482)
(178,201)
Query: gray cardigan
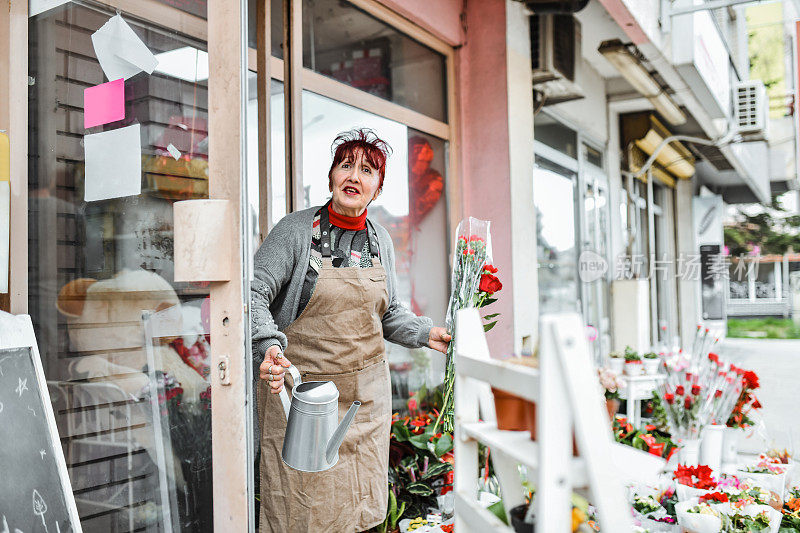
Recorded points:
(280,267)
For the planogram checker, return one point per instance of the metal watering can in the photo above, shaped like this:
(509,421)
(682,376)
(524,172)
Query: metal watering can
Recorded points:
(313,432)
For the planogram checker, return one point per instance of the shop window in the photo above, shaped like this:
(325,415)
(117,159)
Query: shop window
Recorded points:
(554,200)
(350,46)
(412,207)
(131,396)
(276,26)
(552,133)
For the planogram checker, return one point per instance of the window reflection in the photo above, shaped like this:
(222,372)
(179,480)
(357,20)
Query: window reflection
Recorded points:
(125,349)
(412,208)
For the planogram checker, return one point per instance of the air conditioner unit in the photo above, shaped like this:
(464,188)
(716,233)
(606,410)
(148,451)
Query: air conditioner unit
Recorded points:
(556,57)
(751,108)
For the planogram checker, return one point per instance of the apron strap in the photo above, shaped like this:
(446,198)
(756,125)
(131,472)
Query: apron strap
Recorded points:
(326,235)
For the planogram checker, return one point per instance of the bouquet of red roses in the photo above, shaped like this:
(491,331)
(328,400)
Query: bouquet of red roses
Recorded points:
(473,282)
(746,401)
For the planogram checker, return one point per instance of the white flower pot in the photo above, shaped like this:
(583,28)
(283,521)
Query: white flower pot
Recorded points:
(651,366)
(711,448)
(689,454)
(615,364)
(633,369)
(730,445)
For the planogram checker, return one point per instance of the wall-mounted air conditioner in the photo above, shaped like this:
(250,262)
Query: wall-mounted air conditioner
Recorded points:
(556,57)
(751,109)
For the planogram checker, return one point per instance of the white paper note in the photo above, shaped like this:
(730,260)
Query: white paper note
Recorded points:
(120,51)
(174,152)
(5,220)
(113,163)
(40,6)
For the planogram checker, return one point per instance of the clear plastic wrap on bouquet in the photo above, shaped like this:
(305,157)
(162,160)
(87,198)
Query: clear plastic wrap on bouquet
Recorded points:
(472,251)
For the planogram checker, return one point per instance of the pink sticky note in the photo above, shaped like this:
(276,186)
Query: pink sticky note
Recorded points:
(104,103)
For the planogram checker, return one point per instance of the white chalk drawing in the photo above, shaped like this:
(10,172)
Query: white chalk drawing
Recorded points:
(22,387)
(1,407)
(31,410)
(1,371)
(58,528)
(5,525)
(39,507)
(42,453)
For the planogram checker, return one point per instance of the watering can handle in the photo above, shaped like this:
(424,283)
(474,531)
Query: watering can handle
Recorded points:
(296,380)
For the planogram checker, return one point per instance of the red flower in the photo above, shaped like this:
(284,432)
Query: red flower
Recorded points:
(718,393)
(490,283)
(688,376)
(679,390)
(686,475)
(756,405)
(474,238)
(695,389)
(649,427)
(720,497)
(418,423)
(657,448)
(687,403)
(448,478)
(669,398)
(751,379)
(490,269)
(713,357)
(412,404)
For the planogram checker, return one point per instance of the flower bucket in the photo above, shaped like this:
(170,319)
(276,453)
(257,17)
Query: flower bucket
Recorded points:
(654,526)
(686,493)
(689,454)
(695,522)
(711,448)
(730,445)
(771,482)
(651,366)
(615,364)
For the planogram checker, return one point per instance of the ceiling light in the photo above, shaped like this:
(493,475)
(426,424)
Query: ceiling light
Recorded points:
(185,63)
(634,72)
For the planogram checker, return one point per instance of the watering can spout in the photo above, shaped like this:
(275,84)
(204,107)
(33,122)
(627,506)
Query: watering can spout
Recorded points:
(338,436)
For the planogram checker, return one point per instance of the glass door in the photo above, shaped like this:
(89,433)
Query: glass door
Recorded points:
(118,135)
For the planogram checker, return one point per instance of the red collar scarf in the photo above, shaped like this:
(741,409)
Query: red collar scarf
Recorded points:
(348,223)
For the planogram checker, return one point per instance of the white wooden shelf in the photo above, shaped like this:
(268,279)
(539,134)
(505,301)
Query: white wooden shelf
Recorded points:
(518,446)
(515,379)
(480,518)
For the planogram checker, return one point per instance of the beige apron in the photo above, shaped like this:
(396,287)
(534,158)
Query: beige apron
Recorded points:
(338,337)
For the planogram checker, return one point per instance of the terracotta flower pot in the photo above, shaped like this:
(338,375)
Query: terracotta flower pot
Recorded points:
(612,406)
(514,413)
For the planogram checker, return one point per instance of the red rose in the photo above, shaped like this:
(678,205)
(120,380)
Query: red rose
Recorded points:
(669,398)
(490,283)
(718,393)
(756,405)
(720,497)
(713,357)
(687,403)
(679,390)
(751,379)
(695,389)
(489,268)
(688,376)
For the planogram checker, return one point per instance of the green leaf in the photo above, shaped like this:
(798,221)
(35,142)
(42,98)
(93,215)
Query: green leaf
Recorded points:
(488,301)
(401,432)
(487,317)
(437,469)
(488,327)
(443,445)
(399,514)
(421,441)
(419,488)
(499,511)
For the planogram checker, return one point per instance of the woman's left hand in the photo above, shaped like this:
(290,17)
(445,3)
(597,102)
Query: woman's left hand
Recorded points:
(438,339)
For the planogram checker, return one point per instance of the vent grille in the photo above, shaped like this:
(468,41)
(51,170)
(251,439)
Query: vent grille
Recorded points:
(564,45)
(747,107)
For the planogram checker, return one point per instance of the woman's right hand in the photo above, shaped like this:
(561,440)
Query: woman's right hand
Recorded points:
(273,368)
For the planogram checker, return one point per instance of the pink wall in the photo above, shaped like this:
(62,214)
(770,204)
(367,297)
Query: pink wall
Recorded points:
(481,86)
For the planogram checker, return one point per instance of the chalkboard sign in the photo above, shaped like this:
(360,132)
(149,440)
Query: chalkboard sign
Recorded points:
(35,492)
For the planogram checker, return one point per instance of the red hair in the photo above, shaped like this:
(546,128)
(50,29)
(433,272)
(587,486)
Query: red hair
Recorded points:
(376,150)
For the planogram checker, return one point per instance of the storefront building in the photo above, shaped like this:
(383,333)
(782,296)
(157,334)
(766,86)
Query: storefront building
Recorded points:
(143,339)
(241,109)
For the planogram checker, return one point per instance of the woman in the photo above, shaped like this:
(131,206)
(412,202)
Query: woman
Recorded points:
(324,297)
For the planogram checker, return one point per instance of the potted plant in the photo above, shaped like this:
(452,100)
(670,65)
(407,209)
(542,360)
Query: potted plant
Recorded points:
(633,362)
(651,363)
(611,384)
(515,413)
(615,362)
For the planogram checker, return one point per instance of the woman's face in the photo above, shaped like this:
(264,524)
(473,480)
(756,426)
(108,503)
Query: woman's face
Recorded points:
(354,184)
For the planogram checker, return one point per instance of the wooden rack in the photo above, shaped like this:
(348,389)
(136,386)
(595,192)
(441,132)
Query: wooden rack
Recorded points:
(569,401)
